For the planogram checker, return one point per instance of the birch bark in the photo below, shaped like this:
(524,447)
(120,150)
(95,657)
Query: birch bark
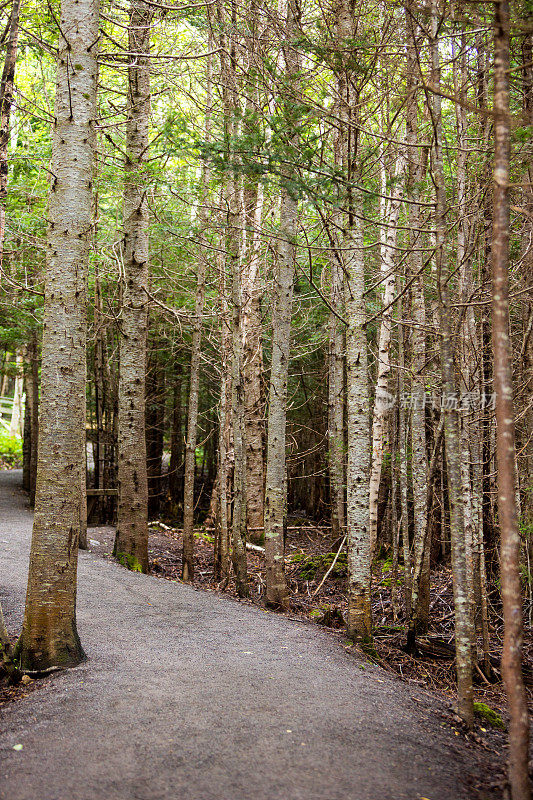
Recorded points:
(359,615)
(381,407)
(336,447)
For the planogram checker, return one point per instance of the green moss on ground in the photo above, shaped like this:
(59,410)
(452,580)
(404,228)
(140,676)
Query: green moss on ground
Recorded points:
(310,566)
(130,562)
(489,715)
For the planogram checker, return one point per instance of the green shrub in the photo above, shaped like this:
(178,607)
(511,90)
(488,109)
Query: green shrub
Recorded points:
(10,451)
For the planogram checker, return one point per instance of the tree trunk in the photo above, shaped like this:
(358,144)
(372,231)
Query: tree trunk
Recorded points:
(238,523)
(31,418)
(276,470)
(336,448)
(463,621)
(359,612)
(381,404)
(6,101)
(49,636)
(131,542)
(175,470)
(187,569)
(505,436)
(155,428)
(223,549)
(17,414)
(417,158)
(187,572)
(253,366)
(359,616)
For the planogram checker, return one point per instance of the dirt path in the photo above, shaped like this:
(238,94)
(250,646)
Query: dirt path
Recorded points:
(190,695)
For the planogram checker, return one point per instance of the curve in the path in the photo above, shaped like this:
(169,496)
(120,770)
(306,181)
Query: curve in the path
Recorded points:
(191,695)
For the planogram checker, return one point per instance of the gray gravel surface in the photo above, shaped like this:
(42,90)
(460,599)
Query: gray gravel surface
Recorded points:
(188,694)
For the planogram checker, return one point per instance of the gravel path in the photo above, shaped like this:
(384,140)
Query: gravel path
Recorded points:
(191,695)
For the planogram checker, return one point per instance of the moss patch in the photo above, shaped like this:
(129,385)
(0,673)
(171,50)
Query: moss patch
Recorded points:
(310,566)
(130,562)
(489,715)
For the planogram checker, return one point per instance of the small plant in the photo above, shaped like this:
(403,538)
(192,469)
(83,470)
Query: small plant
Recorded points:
(10,451)
(204,536)
(489,715)
(130,562)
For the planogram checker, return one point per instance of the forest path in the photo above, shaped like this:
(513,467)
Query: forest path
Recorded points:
(187,694)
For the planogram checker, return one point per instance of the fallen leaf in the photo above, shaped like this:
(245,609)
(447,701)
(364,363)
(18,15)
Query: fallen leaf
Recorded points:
(18,746)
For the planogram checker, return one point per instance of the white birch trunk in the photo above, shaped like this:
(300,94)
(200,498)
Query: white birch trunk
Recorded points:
(336,447)
(359,615)
(381,406)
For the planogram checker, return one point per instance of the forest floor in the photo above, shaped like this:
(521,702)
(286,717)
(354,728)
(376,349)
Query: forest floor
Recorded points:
(189,693)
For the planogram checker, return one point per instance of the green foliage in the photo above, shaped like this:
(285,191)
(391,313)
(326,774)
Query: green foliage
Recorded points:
(205,537)
(523,134)
(489,715)
(128,561)
(10,451)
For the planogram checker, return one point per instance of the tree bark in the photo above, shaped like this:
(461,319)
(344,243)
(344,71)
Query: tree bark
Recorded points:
(359,615)
(131,542)
(6,101)
(253,365)
(381,405)
(452,434)
(49,636)
(417,159)
(187,570)
(336,446)
(276,470)
(505,435)
(175,484)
